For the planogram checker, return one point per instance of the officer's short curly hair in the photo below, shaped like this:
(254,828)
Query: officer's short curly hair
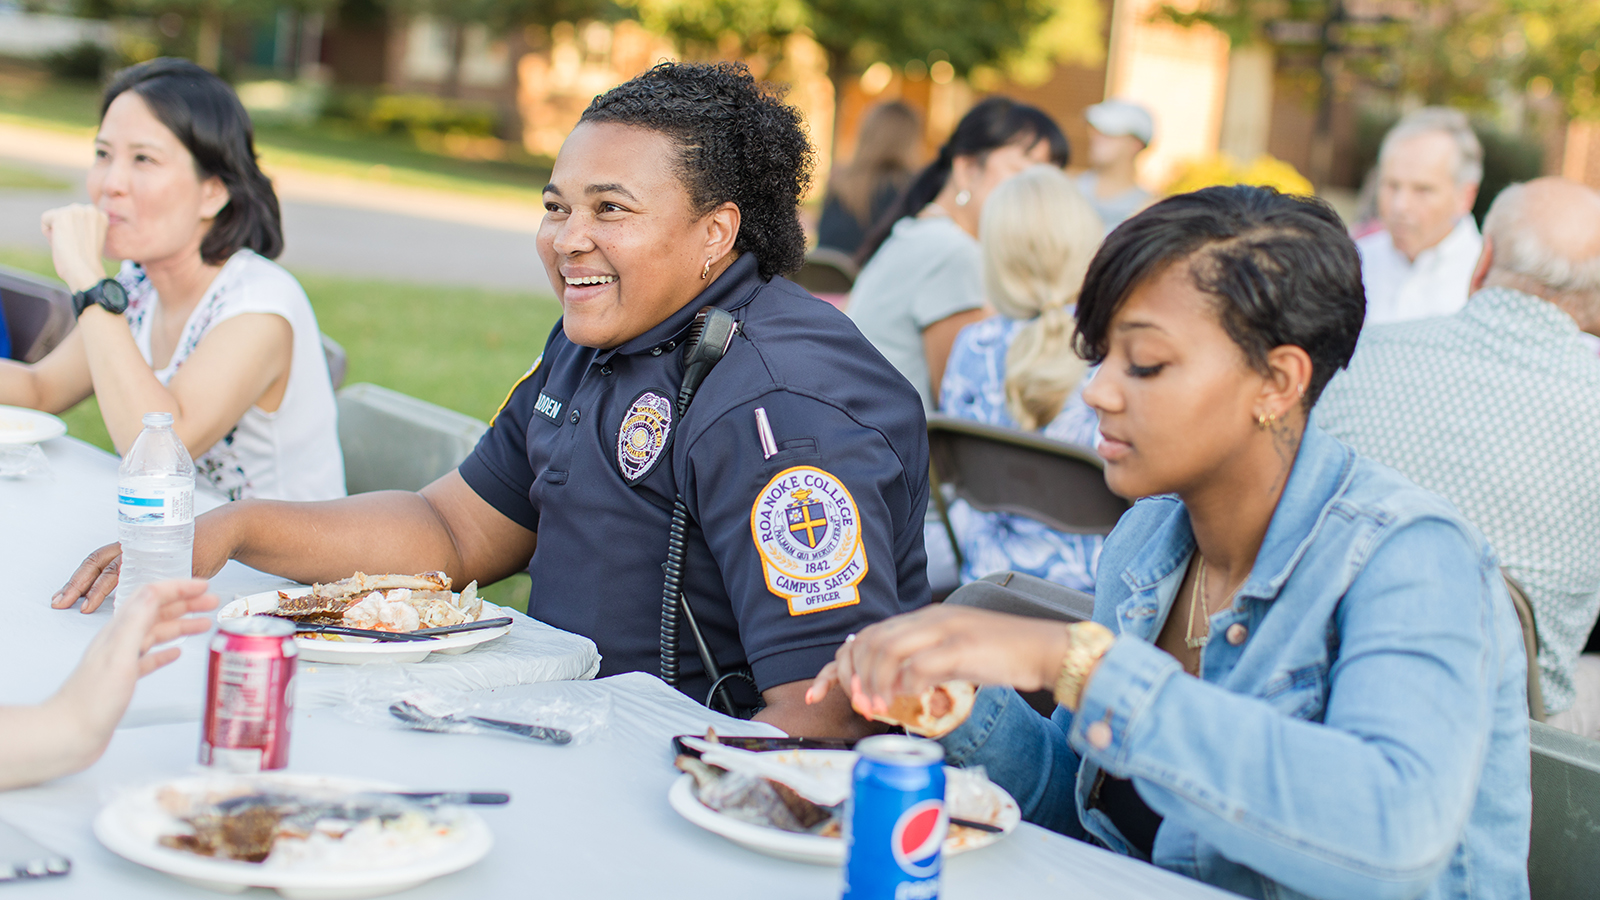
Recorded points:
(741,144)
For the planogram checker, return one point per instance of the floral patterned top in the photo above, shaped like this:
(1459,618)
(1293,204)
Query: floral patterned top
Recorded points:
(291,453)
(974,388)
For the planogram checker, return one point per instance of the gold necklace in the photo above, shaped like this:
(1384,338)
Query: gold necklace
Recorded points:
(1197,600)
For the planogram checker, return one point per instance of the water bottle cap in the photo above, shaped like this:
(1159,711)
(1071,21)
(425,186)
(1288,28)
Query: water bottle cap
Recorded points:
(158,420)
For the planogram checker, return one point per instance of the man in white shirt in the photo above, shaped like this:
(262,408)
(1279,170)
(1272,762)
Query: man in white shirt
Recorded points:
(1420,263)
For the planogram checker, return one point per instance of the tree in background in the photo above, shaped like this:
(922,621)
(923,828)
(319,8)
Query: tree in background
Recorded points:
(508,18)
(1463,53)
(212,17)
(972,37)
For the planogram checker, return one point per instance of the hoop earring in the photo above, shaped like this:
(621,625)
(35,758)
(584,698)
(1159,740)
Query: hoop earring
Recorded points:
(706,272)
(963,198)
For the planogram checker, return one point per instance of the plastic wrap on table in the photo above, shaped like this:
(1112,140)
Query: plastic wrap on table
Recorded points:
(24,461)
(531,653)
(583,711)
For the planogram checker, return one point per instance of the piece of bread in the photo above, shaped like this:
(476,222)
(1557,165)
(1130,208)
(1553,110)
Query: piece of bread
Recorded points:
(934,712)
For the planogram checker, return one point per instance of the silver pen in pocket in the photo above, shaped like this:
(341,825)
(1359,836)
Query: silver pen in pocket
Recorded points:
(769,447)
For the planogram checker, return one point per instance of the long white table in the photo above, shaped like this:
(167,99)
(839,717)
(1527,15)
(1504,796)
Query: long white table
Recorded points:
(49,524)
(589,820)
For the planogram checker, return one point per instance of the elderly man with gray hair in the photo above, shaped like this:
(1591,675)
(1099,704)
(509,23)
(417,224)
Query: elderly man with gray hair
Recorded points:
(1497,408)
(1419,263)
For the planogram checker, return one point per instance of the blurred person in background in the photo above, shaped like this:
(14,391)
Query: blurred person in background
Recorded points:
(69,731)
(1018,370)
(1497,408)
(888,151)
(1119,130)
(922,278)
(199,322)
(1420,262)
(1304,677)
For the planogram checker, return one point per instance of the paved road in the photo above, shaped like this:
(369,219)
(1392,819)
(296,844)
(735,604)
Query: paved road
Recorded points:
(342,238)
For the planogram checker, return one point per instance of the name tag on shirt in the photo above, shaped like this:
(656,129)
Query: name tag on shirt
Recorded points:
(549,407)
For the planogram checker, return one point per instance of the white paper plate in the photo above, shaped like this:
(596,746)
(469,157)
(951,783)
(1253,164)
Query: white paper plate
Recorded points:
(130,826)
(28,426)
(358,650)
(811,848)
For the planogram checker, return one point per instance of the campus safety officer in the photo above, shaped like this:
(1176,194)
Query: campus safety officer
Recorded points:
(800,463)
(802,460)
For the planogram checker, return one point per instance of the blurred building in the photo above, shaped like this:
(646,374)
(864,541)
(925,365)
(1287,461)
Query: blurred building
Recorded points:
(1206,96)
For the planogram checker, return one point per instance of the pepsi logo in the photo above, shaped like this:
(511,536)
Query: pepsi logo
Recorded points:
(918,835)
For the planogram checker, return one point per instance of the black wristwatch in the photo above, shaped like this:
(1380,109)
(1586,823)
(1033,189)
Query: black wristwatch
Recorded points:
(109,293)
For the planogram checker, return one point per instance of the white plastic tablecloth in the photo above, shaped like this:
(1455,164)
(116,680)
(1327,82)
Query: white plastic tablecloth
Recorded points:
(588,820)
(49,524)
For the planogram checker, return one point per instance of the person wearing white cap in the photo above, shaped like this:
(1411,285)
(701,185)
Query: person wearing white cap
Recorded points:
(1119,130)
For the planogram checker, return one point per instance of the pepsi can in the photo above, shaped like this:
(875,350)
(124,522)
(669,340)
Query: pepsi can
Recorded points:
(895,821)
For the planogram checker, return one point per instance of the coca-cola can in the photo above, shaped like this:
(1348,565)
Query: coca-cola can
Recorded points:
(249,695)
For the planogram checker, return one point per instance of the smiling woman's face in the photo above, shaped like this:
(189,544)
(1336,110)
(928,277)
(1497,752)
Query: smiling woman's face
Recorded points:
(1176,396)
(620,242)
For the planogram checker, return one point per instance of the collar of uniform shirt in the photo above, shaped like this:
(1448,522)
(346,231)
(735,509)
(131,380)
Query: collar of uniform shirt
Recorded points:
(732,290)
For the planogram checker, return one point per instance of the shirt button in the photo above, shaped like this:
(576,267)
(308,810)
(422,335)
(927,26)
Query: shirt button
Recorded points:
(605,370)
(655,351)
(574,417)
(1237,633)
(1099,735)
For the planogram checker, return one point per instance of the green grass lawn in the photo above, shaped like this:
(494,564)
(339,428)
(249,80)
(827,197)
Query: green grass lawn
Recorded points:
(337,148)
(459,347)
(14,178)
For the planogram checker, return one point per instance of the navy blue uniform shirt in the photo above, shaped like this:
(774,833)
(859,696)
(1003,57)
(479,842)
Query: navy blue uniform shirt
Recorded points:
(786,555)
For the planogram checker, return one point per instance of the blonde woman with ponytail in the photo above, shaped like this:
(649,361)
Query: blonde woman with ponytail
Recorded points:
(1018,369)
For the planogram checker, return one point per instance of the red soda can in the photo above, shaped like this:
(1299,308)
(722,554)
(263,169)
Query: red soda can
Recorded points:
(249,695)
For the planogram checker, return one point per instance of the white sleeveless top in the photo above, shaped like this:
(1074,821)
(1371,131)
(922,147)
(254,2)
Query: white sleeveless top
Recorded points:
(290,454)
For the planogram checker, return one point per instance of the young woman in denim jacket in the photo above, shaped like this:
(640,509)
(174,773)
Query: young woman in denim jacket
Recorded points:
(1304,677)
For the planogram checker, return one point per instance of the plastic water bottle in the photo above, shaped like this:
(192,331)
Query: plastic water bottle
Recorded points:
(155,508)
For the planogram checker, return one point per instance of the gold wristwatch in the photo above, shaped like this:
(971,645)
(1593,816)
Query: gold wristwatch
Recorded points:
(1090,641)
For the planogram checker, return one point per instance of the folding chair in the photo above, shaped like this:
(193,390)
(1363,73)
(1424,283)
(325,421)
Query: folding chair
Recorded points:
(1564,855)
(393,441)
(827,271)
(38,313)
(1003,470)
(1034,598)
(338,360)
(829,274)
(1530,644)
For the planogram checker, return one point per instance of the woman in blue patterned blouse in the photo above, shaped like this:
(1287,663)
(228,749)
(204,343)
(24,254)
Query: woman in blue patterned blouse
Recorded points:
(1018,369)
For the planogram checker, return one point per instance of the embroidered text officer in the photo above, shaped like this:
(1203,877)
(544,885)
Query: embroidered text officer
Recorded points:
(802,460)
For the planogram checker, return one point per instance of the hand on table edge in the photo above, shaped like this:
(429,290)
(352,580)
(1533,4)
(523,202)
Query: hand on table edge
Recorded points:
(70,730)
(96,577)
(911,653)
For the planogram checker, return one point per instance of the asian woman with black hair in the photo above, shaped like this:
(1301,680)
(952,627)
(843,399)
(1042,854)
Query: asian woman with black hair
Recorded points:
(922,275)
(199,322)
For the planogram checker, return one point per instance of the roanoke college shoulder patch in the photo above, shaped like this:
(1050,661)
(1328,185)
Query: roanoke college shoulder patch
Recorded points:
(807,528)
(643,435)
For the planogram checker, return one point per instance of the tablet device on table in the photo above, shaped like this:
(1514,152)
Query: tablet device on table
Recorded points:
(23,857)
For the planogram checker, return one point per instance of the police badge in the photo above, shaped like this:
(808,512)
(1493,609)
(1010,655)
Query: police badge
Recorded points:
(643,435)
(807,528)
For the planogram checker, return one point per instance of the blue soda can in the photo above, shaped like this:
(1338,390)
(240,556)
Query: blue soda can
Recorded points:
(895,821)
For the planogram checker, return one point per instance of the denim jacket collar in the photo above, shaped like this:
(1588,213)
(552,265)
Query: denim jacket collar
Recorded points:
(1322,467)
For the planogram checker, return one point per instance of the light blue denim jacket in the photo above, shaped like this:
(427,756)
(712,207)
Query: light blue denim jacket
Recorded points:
(1367,739)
